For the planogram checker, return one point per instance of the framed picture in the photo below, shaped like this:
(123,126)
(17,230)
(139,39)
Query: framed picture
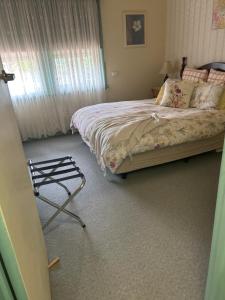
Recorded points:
(134,24)
(218,14)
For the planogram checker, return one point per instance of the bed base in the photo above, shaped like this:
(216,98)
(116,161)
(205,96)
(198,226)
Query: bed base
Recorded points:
(123,175)
(169,154)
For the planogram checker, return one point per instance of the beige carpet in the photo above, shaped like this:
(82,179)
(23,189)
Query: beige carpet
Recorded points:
(147,237)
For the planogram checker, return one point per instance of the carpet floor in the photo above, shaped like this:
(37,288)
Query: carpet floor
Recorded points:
(147,238)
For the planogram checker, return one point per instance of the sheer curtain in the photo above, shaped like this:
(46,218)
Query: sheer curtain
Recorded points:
(53,47)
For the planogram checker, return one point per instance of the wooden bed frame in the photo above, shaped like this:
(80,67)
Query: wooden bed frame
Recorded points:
(172,153)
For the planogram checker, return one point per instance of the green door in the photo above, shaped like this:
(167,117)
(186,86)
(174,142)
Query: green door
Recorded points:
(11,283)
(6,290)
(215,289)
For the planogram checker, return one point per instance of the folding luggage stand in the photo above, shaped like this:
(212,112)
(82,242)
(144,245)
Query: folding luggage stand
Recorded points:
(40,177)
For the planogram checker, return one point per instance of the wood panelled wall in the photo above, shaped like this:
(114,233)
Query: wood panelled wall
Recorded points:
(190,33)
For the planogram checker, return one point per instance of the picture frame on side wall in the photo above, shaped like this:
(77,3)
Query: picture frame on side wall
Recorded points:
(218,19)
(134,27)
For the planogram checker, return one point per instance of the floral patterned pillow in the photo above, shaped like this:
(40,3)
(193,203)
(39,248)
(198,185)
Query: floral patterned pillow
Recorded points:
(206,96)
(177,93)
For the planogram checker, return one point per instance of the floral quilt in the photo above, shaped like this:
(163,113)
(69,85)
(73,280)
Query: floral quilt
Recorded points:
(114,131)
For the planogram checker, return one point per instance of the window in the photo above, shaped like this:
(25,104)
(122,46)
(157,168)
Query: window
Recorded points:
(63,71)
(27,80)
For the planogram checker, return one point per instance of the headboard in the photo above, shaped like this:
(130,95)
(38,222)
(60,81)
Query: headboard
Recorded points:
(219,66)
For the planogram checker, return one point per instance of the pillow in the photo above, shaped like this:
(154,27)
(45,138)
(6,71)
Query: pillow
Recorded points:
(217,77)
(206,96)
(177,93)
(160,95)
(195,75)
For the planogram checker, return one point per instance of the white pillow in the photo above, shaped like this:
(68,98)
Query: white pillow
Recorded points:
(206,96)
(177,93)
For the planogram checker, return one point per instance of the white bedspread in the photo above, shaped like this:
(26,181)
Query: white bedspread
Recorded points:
(116,130)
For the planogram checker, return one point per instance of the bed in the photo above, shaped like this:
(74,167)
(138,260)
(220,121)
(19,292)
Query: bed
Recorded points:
(131,135)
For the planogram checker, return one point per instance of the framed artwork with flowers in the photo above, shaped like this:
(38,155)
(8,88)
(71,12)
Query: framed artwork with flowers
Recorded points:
(218,14)
(134,24)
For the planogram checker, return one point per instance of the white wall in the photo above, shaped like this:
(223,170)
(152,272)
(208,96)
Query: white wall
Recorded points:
(138,67)
(190,33)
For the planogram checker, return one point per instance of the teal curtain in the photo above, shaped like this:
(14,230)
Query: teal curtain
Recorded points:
(101,42)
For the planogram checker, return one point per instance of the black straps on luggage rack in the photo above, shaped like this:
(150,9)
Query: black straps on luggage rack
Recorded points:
(57,173)
(52,166)
(38,184)
(47,172)
(49,161)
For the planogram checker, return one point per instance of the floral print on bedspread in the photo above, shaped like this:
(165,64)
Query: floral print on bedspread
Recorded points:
(173,133)
(171,126)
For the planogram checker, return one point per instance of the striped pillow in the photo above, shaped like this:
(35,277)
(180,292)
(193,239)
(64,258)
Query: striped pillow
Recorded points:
(217,77)
(195,75)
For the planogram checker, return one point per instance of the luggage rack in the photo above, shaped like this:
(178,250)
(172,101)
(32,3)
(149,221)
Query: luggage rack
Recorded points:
(55,171)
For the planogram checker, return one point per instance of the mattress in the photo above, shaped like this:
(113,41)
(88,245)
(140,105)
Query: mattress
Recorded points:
(115,131)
